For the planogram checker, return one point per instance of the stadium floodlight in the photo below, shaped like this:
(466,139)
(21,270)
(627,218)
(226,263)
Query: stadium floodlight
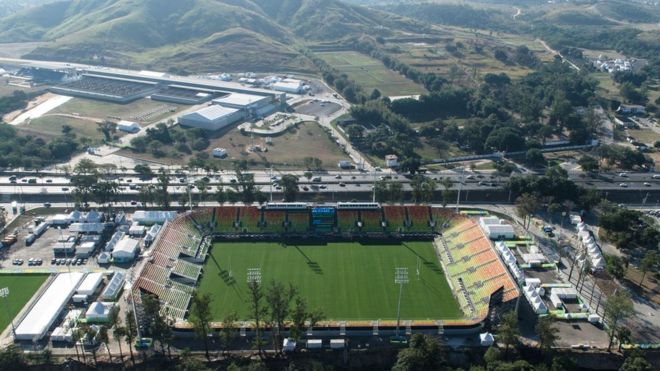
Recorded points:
(254,275)
(400,278)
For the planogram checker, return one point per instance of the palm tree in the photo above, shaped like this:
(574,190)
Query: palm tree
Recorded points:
(105,339)
(119,334)
(131,333)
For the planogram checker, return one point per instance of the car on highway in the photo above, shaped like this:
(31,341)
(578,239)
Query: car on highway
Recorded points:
(47,204)
(623,185)
(656,176)
(647,184)
(49,180)
(65,189)
(623,175)
(342,184)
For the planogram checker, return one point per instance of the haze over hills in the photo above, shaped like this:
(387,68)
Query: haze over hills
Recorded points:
(194,34)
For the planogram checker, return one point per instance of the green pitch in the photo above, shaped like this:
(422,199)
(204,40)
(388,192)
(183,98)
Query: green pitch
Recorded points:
(21,288)
(348,281)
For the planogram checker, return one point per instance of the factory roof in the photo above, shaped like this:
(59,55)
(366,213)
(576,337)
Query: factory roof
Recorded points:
(212,113)
(239,99)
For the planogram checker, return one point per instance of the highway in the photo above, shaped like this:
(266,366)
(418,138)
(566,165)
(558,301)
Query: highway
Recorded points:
(336,185)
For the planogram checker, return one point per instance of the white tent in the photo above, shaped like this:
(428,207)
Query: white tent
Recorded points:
(48,307)
(486,339)
(535,300)
(99,312)
(90,284)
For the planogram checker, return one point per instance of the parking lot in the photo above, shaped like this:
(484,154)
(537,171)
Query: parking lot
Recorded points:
(318,108)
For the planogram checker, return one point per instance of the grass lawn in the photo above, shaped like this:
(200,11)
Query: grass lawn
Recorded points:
(348,281)
(52,126)
(371,73)
(133,111)
(21,288)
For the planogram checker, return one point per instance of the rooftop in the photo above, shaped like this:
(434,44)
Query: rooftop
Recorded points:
(213,112)
(239,99)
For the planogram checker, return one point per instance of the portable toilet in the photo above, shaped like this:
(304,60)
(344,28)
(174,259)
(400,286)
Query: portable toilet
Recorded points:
(314,344)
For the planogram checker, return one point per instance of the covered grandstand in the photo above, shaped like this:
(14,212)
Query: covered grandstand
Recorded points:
(477,277)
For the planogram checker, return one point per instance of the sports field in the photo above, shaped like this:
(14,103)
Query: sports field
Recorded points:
(348,281)
(371,74)
(21,288)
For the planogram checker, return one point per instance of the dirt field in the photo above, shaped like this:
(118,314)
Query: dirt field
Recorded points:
(287,150)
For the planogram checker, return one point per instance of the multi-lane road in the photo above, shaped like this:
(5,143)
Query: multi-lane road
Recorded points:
(336,184)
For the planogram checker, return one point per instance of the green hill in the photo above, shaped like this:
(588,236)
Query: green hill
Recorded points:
(198,35)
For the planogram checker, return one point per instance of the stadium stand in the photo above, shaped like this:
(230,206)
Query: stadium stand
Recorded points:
(419,217)
(440,216)
(204,220)
(395,216)
(225,219)
(273,221)
(298,221)
(347,221)
(371,221)
(478,273)
(250,219)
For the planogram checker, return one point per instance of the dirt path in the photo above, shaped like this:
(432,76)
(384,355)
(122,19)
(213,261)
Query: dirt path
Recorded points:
(554,52)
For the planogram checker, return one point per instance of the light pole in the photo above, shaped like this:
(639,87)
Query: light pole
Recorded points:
(400,277)
(460,186)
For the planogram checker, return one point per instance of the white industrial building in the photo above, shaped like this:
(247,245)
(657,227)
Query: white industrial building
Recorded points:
(48,307)
(125,250)
(289,86)
(497,229)
(112,290)
(243,101)
(128,126)
(213,117)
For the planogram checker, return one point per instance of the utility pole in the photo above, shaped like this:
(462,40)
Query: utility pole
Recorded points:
(400,278)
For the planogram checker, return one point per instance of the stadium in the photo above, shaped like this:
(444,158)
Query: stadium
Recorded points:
(342,258)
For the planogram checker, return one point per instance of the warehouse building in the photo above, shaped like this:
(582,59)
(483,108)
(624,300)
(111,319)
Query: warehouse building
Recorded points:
(290,86)
(181,94)
(243,101)
(213,118)
(128,126)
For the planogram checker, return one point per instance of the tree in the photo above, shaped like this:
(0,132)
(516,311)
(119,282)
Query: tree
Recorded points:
(258,311)
(11,358)
(298,318)
(278,298)
(534,158)
(548,333)
(395,192)
(381,191)
(188,363)
(526,205)
(650,260)
(107,128)
(228,333)
(508,331)
(131,332)
(143,171)
(375,94)
(289,185)
(200,317)
(447,184)
(163,196)
(614,266)
(424,353)
(105,339)
(588,164)
(618,307)
(636,362)
(119,333)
